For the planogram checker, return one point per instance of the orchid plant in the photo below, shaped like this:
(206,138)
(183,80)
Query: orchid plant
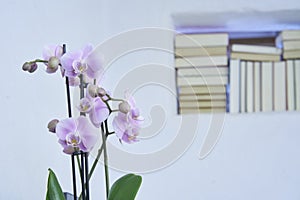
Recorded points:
(80,134)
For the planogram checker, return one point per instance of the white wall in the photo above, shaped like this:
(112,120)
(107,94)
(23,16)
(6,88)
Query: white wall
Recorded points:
(256,156)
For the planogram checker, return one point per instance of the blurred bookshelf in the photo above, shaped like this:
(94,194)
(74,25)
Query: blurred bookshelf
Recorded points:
(237,72)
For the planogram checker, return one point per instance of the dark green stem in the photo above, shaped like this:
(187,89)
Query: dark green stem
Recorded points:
(104,129)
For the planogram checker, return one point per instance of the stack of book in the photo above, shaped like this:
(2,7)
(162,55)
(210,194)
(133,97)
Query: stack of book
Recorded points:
(251,78)
(293,84)
(201,64)
(264,86)
(255,52)
(289,40)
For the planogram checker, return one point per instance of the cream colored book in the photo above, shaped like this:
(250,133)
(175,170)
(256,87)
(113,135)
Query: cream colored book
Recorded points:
(201,51)
(203,71)
(234,94)
(290,34)
(279,95)
(201,61)
(207,97)
(291,45)
(207,80)
(202,104)
(290,85)
(257,88)
(267,86)
(202,110)
(202,89)
(201,40)
(293,54)
(249,87)
(242,86)
(254,57)
(257,49)
(297,84)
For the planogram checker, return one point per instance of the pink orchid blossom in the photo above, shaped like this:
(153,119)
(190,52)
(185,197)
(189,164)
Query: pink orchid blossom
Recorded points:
(127,125)
(76,134)
(94,107)
(82,62)
(52,54)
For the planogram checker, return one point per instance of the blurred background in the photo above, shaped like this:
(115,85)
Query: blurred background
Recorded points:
(256,156)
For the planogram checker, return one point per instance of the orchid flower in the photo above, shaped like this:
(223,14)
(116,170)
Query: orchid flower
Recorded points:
(52,54)
(82,62)
(94,107)
(76,134)
(127,123)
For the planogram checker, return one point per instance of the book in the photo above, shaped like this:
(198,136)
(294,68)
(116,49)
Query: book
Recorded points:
(291,45)
(201,89)
(249,87)
(267,86)
(201,40)
(202,71)
(202,97)
(290,85)
(291,54)
(242,88)
(286,35)
(234,81)
(201,51)
(202,110)
(289,35)
(257,80)
(257,49)
(279,95)
(297,83)
(207,80)
(201,61)
(202,104)
(254,56)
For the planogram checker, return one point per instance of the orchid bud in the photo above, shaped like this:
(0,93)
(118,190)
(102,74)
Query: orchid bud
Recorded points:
(92,90)
(52,125)
(26,66)
(124,107)
(33,67)
(52,64)
(101,91)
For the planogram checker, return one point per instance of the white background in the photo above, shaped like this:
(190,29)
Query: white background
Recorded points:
(257,156)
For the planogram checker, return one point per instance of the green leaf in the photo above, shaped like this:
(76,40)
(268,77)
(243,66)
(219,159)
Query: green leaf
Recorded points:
(125,188)
(54,191)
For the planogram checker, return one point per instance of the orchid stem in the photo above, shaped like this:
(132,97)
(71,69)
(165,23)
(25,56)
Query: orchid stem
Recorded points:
(103,130)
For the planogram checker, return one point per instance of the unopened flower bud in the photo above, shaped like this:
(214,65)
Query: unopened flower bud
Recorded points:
(92,90)
(33,67)
(101,91)
(124,107)
(52,64)
(52,125)
(26,66)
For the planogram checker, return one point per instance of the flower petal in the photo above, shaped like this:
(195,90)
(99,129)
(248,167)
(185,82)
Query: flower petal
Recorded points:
(99,113)
(64,127)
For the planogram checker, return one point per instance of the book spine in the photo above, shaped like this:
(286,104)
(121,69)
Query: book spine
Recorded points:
(249,87)
(257,87)
(267,86)
(290,85)
(206,80)
(201,40)
(297,84)
(234,92)
(279,86)
(242,86)
(201,61)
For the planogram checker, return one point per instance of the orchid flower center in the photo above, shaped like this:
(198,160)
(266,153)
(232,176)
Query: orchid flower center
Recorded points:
(79,67)
(73,139)
(85,105)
